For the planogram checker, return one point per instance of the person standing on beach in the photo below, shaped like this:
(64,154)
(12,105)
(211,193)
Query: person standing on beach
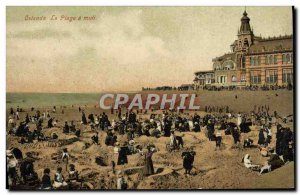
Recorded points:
(188,160)
(149,169)
(122,158)
(236,135)
(83,119)
(218,139)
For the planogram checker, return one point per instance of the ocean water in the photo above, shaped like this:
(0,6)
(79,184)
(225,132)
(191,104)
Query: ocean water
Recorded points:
(28,100)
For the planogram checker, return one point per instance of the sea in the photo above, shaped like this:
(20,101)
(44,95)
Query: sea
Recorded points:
(28,100)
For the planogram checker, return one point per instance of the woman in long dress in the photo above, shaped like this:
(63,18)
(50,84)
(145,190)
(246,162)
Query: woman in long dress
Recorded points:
(149,169)
(261,137)
(188,160)
(122,157)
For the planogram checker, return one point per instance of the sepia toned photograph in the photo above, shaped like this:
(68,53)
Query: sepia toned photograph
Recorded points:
(153,98)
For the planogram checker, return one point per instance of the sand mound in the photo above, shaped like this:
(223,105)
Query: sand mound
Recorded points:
(282,177)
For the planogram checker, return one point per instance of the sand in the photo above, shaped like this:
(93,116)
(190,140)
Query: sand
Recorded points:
(214,169)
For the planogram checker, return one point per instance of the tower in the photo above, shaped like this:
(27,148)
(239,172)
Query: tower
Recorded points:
(245,34)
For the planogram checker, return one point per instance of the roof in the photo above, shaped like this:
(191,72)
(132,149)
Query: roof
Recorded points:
(272,44)
(245,25)
(204,71)
(227,56)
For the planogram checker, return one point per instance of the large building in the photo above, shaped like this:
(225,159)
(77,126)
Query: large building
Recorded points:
(253,60)
(204,78)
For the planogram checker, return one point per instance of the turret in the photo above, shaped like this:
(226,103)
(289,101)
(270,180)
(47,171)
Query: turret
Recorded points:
(245,33)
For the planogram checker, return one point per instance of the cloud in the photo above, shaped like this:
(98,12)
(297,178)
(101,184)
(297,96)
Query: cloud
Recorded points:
(104,51)
(125,48)
(40,34)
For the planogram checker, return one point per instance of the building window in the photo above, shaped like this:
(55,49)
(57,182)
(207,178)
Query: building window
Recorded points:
(252,61)
(275,59)
(271,60)
(228,65)
(222,79)
(233,79)
(243,77)
(243,62)
(255,77)
(288,58)
(283,59)
(255,60)
(258,60)
(287,75)
(271,76)
(291,58)
(266,60)
(246,42)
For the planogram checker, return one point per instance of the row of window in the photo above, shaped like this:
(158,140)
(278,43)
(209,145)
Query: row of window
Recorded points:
(271,59)
(287,58)
(255,77)
(272,76)
(227,65)
(223,79)
(203,76)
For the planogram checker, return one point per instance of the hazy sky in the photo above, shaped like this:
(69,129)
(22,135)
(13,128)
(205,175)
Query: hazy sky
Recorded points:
(125,48)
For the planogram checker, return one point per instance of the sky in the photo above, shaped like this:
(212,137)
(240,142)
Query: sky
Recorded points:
(124,48)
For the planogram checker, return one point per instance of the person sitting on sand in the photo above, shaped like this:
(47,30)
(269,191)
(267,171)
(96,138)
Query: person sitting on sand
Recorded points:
(265,150)
(73,174)
(55,123)
(196,127)
(48,114)
(273,163)
(109,140)
(50,121)
(46,181)
(72,126)
(59,180)
(27,171)
(95,139)
(248,163)
(12,163)
(54,136)
(54,109)
(179,140)
(11,124)
(73,179)
(121,183)
(248,143)
(78,132)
